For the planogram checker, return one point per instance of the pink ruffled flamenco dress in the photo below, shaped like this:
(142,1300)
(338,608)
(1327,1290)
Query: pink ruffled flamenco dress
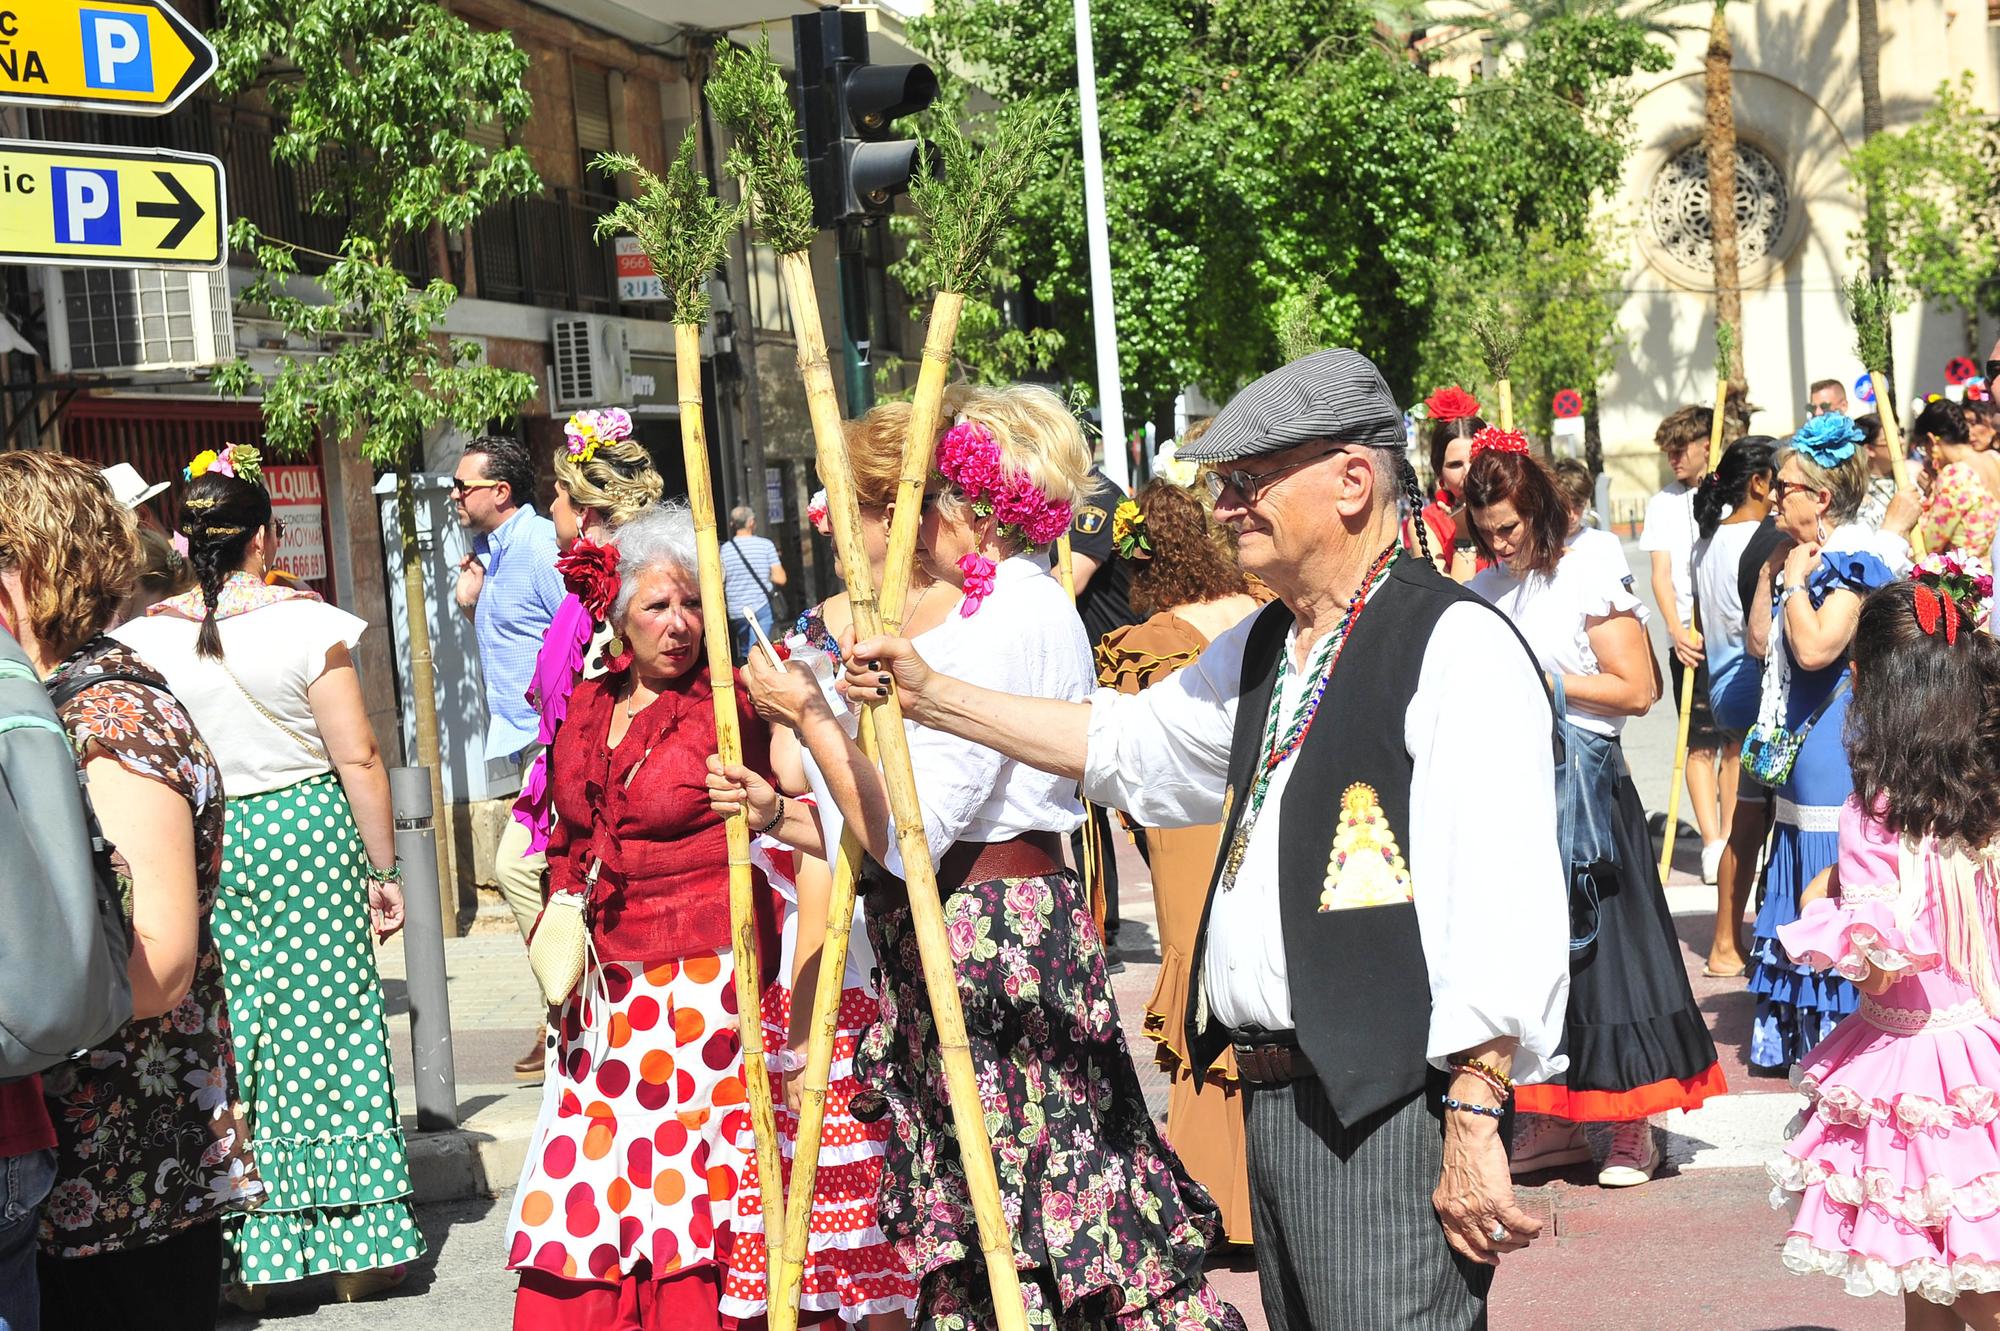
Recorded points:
(1896,1167)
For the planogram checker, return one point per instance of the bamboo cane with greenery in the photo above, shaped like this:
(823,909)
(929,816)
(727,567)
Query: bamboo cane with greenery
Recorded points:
(1725,347)
(1872,302)
(684,229)
(1498,341)
(748,95)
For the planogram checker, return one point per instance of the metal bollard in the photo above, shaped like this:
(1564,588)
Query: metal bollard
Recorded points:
(423,949)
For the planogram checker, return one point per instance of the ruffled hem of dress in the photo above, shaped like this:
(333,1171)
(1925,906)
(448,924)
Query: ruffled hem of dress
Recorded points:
(1928,1207)
(1775,978)
(1855,938)
(1964,1107)
(272,1248)
(1559,1101)
(1939,1282)
(312,1173)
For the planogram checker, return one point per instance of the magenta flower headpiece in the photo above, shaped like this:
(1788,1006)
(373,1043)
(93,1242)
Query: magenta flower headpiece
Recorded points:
(970,460)
(587,429)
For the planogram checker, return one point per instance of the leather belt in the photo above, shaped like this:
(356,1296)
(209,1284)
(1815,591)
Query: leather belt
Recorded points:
(1269,1058)
(1029,855)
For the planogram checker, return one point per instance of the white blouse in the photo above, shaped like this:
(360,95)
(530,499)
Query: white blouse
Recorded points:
(1490,898)
(275,652)
(1553,613)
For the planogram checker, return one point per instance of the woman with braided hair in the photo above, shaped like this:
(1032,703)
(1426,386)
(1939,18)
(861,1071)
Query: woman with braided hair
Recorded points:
(309,860)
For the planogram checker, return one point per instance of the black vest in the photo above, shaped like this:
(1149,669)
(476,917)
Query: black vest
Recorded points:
(1360,988)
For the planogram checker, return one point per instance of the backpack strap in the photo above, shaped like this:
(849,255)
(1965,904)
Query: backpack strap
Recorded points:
(64,691)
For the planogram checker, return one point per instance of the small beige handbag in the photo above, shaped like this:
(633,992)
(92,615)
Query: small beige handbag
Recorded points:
(561,943)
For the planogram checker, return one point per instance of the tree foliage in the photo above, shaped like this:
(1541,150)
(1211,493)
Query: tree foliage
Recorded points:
(1935,194)
(375,98)
(1283,173)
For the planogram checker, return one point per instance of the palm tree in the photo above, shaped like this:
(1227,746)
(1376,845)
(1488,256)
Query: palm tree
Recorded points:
(1718,141)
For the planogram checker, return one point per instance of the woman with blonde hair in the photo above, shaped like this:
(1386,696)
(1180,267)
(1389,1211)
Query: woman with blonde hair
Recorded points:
(1108,1227)
(151,1154)
(604,479)
(1193,594)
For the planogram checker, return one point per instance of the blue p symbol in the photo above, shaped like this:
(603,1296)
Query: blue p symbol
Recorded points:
(86,204)
(117,52)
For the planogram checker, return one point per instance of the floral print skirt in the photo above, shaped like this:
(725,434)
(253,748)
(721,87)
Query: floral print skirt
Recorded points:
(1109,1229)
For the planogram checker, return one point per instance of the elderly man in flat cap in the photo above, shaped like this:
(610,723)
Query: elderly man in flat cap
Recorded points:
(1385,940)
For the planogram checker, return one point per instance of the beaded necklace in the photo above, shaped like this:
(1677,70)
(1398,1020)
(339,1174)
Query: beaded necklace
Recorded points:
(1277,748)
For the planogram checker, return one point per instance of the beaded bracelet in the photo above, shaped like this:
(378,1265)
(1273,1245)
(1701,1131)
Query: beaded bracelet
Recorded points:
(1484,1111)
(392,874)
(1502,1084)
(777,816)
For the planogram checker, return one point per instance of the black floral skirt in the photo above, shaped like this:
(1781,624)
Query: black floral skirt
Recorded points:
(1109,1229)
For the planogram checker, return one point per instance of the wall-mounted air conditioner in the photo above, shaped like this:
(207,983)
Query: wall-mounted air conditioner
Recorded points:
(135,320)
(593,363)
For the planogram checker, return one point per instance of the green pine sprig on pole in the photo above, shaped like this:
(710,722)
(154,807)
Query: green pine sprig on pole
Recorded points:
(965,200)
(1725,347)
(1871,302)
(1498,340)
(747,92)
(1295,327)
(683,228)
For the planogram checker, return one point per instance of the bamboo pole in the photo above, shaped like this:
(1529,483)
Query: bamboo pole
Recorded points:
(925,409)
(729,747)
(1506,388)
(920,874)
(1892,436)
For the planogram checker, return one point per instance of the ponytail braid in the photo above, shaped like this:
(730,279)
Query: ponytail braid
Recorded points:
(210,572)
(221,514)
(1413,496)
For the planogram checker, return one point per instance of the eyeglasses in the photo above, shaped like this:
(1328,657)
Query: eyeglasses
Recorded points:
(459,487)
(1821,409)
(1785,489)
(1252,484)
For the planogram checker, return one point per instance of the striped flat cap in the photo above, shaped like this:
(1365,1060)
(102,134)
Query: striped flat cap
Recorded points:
(1337,395)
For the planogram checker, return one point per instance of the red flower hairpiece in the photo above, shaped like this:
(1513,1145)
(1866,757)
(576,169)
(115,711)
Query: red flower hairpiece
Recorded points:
(1493,439)
(1450,404)
(590,572)
(1932,607)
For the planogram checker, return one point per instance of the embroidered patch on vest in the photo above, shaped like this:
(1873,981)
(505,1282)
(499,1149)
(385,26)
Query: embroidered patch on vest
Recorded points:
(1366,867)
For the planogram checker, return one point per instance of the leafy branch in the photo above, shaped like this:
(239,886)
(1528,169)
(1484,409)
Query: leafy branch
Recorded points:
(1725,347)
(966,201)
(683,228)
(747,93)
(1871,303)
(1499,338)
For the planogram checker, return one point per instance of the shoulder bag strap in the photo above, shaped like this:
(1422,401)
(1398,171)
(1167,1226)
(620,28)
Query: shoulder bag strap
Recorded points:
(317,753)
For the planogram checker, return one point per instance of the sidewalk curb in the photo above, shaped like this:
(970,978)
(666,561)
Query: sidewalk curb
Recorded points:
(483,1155)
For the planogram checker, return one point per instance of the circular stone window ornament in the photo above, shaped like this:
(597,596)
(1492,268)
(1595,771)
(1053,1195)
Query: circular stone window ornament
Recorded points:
(1678,211)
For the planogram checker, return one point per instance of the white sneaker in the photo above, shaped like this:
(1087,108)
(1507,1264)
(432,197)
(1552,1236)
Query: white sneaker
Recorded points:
(1542,1142)
(1711,860)
(1633,1157)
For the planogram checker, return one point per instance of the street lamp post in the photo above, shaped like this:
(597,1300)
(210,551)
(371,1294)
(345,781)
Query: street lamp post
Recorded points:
(1104,319)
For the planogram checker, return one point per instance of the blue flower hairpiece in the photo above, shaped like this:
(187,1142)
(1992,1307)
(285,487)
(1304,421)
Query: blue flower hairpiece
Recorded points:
(1828,440)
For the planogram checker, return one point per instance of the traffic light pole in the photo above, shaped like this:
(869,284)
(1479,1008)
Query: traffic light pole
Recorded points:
(854,335)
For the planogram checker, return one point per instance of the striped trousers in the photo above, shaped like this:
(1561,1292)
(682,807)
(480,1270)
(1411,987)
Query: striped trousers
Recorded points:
(1347,1239)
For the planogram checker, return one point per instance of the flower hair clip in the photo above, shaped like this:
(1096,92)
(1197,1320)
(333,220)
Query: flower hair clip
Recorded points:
(1962,580)
(586,430)
(590,573)
(969,459)
(1829,439)
(1933,610)
(1493,439)
(816,513)
(1451,403)
(1128,531)
(242,461)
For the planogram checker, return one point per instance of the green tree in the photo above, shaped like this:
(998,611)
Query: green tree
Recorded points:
(1934,195)
(375,97)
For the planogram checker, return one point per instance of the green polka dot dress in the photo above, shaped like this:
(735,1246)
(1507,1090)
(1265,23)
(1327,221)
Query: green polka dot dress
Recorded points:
(312,1046)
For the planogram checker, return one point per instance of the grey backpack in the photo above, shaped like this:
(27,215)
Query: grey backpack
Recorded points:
(64,943)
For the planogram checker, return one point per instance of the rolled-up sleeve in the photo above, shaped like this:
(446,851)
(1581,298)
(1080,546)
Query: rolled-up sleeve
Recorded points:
(1162,754)
(1491,897)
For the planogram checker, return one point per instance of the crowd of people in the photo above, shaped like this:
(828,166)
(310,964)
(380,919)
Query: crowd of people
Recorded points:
(1509,942)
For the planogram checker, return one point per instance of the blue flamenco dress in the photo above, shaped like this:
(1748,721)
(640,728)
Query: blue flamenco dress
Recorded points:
(1797,1007)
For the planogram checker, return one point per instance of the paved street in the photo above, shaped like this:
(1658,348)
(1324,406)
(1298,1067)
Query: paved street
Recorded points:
(1696,1248)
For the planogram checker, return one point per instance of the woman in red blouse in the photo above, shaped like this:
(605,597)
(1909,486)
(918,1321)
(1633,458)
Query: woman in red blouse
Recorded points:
(622,1213)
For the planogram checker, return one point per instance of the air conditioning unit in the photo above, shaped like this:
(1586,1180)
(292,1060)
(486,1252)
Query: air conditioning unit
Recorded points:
(132,320)
(593,363)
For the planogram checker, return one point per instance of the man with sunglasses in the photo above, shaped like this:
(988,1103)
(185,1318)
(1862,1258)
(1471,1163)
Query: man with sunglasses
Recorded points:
(509,588)
(1385,940)
(1826,395)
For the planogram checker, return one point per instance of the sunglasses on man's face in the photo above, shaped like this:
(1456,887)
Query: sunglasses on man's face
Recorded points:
(463,487)
(1821,408)
(1252,484)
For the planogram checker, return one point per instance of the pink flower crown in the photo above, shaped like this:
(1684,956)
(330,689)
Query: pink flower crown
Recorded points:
(588,429)
(970,460)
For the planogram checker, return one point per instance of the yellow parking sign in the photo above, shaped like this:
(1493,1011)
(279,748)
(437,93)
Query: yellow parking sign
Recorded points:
(76,205)
(133,57)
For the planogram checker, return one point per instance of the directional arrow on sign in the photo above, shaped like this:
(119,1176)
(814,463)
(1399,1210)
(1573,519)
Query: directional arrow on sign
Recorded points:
(184,210)
(77,205)
(133,57)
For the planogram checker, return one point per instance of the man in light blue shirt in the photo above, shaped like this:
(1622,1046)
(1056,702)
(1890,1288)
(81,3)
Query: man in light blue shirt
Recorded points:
(509,588)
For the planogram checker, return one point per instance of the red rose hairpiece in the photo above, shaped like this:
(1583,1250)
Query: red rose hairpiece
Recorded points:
(1493,439)
(590,572)
(1933,608)
(1450,404)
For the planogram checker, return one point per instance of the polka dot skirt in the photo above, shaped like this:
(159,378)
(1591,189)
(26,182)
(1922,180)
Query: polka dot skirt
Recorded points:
(850,1266)
(311,1042)
(634,1158)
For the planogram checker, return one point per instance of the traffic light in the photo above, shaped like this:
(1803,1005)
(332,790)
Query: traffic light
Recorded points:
(847,111)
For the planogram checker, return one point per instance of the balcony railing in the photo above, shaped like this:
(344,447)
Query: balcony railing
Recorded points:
(532,251)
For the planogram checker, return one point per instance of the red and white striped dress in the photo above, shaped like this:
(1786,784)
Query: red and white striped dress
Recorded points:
(851,1269)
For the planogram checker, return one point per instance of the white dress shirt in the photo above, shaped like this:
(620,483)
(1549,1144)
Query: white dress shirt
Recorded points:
(1490,897)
